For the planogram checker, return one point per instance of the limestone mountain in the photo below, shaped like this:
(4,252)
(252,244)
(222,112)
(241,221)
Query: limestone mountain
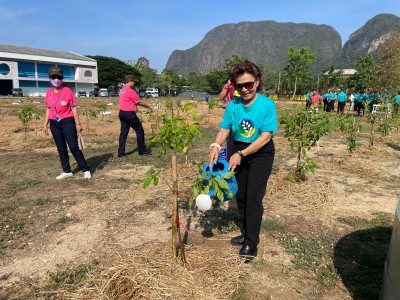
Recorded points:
(368,38)
(264,42)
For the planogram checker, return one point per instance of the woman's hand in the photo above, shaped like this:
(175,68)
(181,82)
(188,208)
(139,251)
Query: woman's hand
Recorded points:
(79,128)
(213,155)
(45,130)
(234,161)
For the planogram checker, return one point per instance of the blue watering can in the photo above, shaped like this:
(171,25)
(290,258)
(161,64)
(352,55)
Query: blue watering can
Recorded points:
(221,167)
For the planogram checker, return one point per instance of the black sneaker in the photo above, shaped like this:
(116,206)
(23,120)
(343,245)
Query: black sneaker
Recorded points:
(146,152)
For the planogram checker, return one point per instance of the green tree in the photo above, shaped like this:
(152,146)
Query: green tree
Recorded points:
(349,125)
(216,79)
(149,77)
(232,62)
(271,77)
(303,129)
(365,76)
(112,71)
(27,114)
(176,136)
(298,68)
(388,69)
(198,81)
(170,80)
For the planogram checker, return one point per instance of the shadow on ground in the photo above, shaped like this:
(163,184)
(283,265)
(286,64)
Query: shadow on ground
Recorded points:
(219,219)
(96,162)
(393,146)
(359,259)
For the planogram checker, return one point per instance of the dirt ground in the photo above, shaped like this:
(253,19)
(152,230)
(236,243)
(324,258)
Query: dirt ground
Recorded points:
(51,225)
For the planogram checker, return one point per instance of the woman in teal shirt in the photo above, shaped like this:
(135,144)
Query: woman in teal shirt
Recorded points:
(252,119)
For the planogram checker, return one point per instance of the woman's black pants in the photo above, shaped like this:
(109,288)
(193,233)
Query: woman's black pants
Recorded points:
(64,132)
(129,119)
(252,177)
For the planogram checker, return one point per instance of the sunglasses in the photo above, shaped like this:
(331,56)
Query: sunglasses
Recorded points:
(248,85)
(56,77)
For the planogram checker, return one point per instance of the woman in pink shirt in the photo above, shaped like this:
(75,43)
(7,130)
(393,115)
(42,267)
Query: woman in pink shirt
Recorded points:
(64,122)
(316,100)
(128,102)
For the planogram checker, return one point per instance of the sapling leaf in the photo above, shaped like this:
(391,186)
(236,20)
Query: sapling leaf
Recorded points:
(147,181)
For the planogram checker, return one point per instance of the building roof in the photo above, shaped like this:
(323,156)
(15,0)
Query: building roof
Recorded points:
(344,72)
(43,52)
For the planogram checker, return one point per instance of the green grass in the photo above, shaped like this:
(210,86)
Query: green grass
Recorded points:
(379,219)
(13,187)
(312,254)
(270,225)
(356,258)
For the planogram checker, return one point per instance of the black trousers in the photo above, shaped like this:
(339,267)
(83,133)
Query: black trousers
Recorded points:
(325,104)
(129,119)
(360,106)
(330,106)
(252,177)
(64,132)
(341,106)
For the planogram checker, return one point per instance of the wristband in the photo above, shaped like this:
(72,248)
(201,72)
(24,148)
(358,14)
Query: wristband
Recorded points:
(240,154)
(216,145)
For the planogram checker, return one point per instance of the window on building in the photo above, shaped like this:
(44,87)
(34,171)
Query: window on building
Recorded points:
(88,74)
(27,84)
(26,69)
(44,84)
(43,70)
(68,71)
(4,69)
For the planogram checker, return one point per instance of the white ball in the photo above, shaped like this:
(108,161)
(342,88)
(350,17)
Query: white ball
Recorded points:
(203,202)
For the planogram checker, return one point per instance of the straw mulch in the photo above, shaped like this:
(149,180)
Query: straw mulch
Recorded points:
(315,192)
(152,274)
(358,166)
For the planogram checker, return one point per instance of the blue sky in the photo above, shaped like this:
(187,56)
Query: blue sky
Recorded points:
(128,30)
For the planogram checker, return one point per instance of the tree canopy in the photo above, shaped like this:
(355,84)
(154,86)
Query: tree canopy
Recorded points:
(298,69)
(112,71)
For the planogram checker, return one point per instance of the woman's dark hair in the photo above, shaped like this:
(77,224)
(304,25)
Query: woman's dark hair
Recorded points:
(249,68)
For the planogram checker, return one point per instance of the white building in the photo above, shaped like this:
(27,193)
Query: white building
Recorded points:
(343,72)
(27,68)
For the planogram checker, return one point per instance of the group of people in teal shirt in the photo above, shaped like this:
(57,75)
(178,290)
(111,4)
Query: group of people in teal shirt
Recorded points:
(359,100)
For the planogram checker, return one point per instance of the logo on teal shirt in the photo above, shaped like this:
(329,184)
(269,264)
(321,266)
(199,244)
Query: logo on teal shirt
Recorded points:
(246,128)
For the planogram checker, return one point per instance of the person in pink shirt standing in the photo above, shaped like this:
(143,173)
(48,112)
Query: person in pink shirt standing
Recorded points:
(62,115)
(128,102)
(227,92)
(316,100)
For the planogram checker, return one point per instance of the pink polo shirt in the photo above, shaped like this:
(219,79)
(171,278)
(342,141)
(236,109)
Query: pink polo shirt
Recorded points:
(128,99)
(316,100)
(60,103)
(229,92)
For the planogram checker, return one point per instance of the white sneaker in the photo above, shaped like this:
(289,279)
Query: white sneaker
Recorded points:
(87,175)
(64,175)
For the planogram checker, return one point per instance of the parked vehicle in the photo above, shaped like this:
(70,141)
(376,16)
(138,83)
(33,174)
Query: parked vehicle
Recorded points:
(103,93)
(81,93)
(94,93)
(142,94)
(113,94)
(152,92)
(17,92)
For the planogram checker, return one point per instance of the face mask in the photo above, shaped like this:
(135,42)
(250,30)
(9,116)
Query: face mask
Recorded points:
(56,82)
